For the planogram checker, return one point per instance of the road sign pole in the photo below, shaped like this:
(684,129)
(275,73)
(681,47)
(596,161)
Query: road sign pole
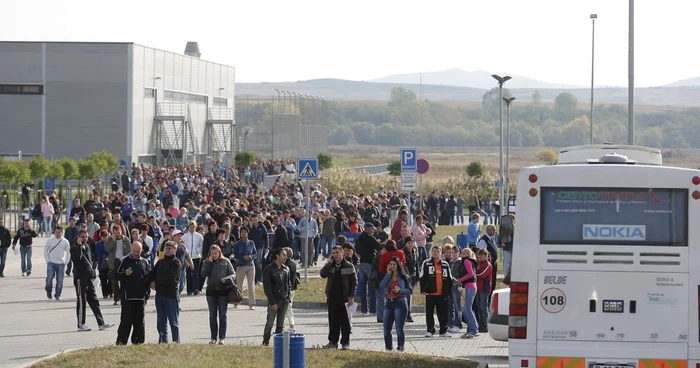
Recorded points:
(421,193)
(305,247)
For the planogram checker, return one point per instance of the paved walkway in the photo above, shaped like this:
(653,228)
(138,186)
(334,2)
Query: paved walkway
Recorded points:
(32,327)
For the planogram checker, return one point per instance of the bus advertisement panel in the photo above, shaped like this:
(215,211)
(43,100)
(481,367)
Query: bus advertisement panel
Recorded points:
(614,216)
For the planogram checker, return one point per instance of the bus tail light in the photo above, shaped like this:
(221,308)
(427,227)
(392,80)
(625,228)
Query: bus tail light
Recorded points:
(696,180)
(696,195)
(494,304)
(517,319)
(533,192)
(533,178)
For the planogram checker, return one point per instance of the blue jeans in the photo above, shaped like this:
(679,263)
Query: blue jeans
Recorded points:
(468,311)
(167,311)
(455,317)
(3,259)
(327,242)
(381,298)
(218,305)
(317,248)
(182,283)
(46,225)
(363,274)
(25,254)
(54,270)
(395,311)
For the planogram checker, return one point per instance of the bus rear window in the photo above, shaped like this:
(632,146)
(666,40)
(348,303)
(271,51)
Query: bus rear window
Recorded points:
(614,216)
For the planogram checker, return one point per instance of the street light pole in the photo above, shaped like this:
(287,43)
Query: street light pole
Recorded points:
(630,87)
(501,81)
(593,18)
(275,121)
(507,178)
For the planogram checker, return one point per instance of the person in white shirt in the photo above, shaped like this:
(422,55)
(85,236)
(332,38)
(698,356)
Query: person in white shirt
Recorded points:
(56,255)
(146,240)
(193,242)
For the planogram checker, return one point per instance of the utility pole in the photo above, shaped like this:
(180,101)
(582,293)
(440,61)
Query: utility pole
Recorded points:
(630,86)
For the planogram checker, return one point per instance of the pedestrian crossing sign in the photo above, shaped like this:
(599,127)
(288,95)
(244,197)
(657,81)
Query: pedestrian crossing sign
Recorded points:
(307,169)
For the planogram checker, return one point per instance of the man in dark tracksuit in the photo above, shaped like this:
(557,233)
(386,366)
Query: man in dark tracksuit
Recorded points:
(341,283)
(133,272)
(5,241)
(83,274)
(436,285)
(71,234)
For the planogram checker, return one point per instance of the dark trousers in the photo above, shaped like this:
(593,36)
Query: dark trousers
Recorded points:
(433,302)
(85,293)
(3,259)
(482,306)
(273,315)
(218,306)
(132,316)
(116,291)
(69,268)
(338,322)
(105,283)
(193,277)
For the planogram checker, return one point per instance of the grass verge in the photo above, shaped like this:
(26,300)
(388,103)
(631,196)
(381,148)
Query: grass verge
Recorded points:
(195,355)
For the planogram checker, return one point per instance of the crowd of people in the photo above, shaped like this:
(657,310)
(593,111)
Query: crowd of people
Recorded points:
(169,230)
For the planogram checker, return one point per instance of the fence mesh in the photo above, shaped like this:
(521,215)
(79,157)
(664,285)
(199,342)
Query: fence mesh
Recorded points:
(287,126)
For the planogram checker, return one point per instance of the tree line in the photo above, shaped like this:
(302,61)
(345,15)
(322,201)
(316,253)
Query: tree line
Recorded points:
(404,120)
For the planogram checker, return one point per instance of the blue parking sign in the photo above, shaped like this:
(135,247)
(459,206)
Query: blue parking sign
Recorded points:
(408,159)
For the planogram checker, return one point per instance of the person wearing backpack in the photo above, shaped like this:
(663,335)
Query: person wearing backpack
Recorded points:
(454,300)
(468,280)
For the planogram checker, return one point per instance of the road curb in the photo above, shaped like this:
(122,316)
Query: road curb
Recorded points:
(30,364)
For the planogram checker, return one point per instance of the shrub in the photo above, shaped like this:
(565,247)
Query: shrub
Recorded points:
(546,155)
(244,158)
(325,161)
(394,168)
(475,169)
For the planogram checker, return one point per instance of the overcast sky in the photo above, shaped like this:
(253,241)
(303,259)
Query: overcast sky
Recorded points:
(277,40)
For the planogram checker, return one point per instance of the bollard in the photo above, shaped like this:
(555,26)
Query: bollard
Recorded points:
(285,349)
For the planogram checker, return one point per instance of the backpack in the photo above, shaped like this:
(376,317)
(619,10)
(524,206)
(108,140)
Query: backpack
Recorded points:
(36,212)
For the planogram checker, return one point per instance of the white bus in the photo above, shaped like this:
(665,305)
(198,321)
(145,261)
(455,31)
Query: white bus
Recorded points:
(606,265)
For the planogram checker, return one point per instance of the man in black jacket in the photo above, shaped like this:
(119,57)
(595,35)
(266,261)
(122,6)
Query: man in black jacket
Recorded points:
(165,280)
(133,272)
(341,283)
(436,284)
(281,236)
(71,234)
(277,285)
(258,234)
(83,274)
(366,247)
(25,236)
(294,279)
(5,241)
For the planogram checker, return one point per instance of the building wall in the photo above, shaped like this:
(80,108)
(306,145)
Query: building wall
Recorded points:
(84,105)
(176,72)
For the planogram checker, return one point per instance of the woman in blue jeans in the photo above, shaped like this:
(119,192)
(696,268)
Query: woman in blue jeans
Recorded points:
(217,268)
(469,282)
(398,286)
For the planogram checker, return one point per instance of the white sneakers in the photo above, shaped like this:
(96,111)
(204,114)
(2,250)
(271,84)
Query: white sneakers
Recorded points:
(446,335)
(83,328)
(106,326)
(428,334)
(454,329)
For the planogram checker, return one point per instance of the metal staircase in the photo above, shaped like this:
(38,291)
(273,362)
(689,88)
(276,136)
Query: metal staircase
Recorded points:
(220,133)
(173,138)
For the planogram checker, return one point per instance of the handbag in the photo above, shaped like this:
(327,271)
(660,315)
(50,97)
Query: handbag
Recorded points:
(234,294)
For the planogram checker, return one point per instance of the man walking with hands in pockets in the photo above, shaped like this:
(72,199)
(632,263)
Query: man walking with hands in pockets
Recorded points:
(341,283)
(133,272)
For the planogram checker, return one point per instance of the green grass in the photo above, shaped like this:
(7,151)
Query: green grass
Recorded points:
(239,356)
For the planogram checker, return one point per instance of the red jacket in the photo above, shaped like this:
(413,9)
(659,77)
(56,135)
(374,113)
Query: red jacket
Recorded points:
(396,230)
(386,257)
(483,277)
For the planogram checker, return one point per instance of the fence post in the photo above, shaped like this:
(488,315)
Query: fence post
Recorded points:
(69,202)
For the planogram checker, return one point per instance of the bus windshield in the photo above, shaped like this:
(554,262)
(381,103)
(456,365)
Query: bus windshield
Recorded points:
(614,216)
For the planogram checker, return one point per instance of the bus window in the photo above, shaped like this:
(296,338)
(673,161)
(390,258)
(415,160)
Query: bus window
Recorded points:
(614,216)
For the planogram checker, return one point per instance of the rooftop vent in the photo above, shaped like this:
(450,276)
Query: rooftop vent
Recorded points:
(192,49)
(613,158)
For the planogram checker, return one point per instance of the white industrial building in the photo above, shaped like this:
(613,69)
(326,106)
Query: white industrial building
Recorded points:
(68,99)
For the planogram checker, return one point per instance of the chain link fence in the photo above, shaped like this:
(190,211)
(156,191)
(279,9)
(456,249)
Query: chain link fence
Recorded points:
(287,126)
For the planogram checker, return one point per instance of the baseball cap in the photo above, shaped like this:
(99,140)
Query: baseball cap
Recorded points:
(176,232)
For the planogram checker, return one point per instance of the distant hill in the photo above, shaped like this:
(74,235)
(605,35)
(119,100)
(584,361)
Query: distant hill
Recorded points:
(690,82)
(338,89)
(462,78)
